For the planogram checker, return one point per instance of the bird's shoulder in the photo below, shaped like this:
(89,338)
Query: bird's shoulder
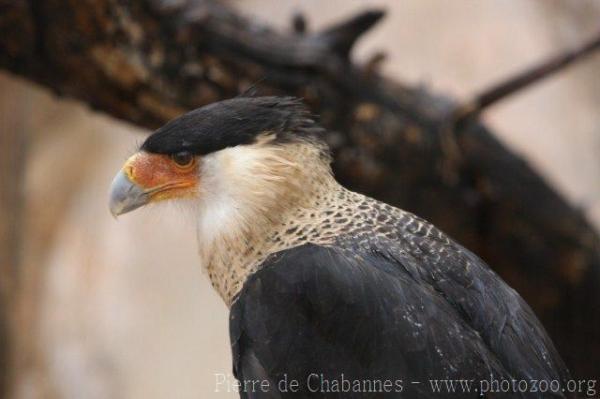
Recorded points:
(327,309)
(430,258)
(391,263)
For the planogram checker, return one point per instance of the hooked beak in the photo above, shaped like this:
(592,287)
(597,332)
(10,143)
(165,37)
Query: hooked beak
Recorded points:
(149,178)
(125,195)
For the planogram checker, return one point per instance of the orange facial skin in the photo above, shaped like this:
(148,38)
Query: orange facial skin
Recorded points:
(161,177)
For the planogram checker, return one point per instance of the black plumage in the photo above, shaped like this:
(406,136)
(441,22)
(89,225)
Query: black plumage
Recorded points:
(233,122)
(370,315)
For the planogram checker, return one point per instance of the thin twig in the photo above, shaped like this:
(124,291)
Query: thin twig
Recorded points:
(522,80)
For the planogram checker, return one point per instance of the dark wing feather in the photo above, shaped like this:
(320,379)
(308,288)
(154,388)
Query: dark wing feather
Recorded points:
(330,311)
(505,322)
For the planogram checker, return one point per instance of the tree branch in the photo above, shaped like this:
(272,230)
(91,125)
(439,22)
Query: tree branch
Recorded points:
(523,80)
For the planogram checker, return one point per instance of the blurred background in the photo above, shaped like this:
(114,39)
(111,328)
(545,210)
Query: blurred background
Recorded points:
(126,311)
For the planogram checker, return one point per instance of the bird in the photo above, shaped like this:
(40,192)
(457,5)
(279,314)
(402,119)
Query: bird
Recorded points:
(331,293)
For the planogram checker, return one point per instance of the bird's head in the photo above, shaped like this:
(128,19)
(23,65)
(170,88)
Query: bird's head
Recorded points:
(246,152)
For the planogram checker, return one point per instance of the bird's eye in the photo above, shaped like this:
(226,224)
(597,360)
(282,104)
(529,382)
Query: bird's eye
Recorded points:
(183,159)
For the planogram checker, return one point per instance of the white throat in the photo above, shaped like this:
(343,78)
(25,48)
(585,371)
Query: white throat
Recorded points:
(246,194)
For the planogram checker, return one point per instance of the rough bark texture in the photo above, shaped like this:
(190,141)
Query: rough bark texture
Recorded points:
(149,62)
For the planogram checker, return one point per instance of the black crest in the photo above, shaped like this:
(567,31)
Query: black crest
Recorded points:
(233,122)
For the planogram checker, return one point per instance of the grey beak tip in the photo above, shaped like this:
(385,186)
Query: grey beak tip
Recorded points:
(125,196)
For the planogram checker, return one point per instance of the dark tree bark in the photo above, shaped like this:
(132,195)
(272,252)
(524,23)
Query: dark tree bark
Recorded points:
(149,62)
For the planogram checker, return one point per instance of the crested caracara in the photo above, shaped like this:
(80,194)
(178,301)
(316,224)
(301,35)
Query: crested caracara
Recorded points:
(331,293)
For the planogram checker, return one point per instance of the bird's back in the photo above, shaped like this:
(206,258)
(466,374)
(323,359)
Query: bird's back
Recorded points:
(427,307)
(506,324)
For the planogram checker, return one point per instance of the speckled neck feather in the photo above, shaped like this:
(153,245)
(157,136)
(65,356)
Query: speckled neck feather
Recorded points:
(280,197)
(263,198)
